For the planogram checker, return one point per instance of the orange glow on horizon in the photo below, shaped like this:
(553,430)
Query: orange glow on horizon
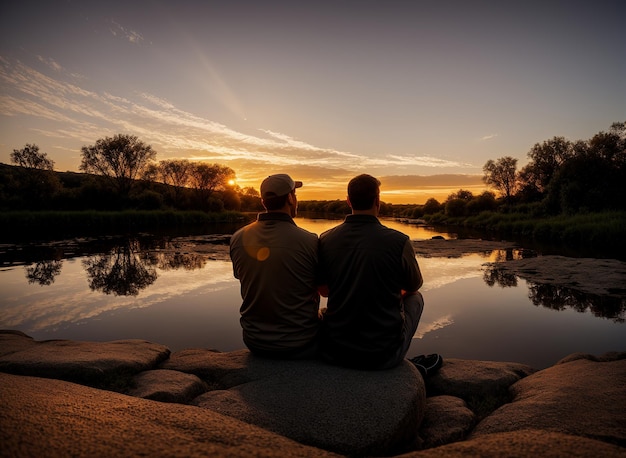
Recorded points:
(337,191)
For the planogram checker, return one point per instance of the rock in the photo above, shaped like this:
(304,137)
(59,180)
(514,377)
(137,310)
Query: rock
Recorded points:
(575,408)
(53,418)
(90,363)
(447,419)
(342,410)
(580,397)
(484,385)
(12,341)
(224,370)
(524,444)
(166,386)
(611,356)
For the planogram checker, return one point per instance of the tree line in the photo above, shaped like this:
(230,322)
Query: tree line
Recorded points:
(120,172)
(562,177)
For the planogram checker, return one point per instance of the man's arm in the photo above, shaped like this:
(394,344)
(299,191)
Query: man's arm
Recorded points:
(413,275)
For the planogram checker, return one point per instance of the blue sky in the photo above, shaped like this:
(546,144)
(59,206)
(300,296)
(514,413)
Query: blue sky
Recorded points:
(420,94)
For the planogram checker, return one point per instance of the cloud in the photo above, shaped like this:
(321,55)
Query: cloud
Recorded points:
(50,63)
(130,35)
(439,323)
(66,110)
(391,182)
(425,161)
(489,137)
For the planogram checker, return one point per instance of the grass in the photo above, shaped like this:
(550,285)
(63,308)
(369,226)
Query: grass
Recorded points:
(22,225)
(604,232)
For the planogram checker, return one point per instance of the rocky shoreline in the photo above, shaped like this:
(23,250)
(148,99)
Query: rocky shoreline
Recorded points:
(136,398)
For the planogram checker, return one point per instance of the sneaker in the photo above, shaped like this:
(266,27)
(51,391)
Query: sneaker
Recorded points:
(427,364)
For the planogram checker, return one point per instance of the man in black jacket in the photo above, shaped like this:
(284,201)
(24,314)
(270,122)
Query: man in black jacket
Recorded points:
(373,279)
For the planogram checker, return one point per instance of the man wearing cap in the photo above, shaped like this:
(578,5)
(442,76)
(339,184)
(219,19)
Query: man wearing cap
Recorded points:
(276,263)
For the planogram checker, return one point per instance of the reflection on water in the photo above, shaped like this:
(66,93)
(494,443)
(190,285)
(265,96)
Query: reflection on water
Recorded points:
(121,271)
(43,272)
(148,288)
(560,297)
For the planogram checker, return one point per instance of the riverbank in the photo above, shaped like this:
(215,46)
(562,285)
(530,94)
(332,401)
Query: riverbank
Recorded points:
(135,398)
(587,275)
(601,234)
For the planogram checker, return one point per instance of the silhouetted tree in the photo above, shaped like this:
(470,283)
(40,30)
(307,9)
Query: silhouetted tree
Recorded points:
(122,158)
(455,207)
(485,202)
(432,206)
(545,160)
(31,158)
(177,174)
(206,179)
(35,182)
(502,175)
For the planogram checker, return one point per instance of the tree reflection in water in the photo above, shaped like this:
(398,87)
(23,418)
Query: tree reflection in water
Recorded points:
(43,272)
(121,272)
(558,297)
(131,266)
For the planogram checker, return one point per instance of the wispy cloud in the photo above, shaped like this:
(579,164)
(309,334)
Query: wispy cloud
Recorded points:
(435,325)
(76,114)
(489,137)
(50,63)
(132,36)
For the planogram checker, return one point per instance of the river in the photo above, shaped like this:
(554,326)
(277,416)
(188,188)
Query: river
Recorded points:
(109,289)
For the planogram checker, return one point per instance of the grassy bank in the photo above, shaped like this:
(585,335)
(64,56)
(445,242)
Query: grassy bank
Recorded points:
(60,224)
(603,233)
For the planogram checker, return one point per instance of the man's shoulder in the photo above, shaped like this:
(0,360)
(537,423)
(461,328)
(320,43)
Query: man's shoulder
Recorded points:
(305,233)
(332,231)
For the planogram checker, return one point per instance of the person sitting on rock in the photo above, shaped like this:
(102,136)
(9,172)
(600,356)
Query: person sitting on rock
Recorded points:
(373,279)
(276,263)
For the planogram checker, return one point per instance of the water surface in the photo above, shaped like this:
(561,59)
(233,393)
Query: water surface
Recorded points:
(140,289)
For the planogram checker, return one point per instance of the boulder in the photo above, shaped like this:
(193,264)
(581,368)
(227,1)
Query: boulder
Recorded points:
(53,418)
(90,363)
(466,378)
(224,370)
(483,385)
(446,419)
(581,397)
(342,410)
(166,386)
(13,341)
(523,444)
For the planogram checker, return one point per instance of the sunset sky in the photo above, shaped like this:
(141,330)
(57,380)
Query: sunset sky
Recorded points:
(418,93)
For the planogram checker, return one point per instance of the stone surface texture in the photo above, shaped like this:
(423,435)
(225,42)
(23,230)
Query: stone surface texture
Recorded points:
(134,398)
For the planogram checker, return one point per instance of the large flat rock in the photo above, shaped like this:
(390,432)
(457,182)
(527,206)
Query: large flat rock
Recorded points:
(470,378)
(91,363)
(338,409)
(580,397)
(524,444)
(52,418)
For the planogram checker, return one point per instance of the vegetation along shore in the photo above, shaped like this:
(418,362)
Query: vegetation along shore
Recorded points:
(570,193)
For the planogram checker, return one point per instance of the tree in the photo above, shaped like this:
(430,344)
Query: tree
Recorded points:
(123,159)
(176,173)
(594,179)
(502,175)
(206,179)
(462,194)
(31,158)
(432,206)
(36,182)
(485,202)
(546,159)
